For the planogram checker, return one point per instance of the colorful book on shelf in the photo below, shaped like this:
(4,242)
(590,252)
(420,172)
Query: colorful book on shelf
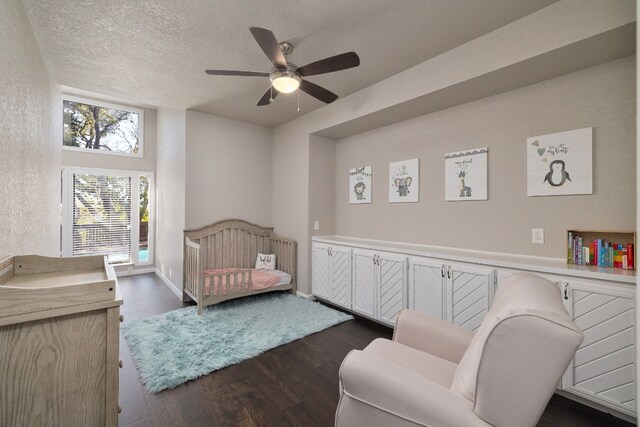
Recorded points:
(599,252)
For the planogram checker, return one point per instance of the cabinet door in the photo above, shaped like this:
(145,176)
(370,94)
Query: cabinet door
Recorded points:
(392,279)
(364,282)
(468,295)
(603,369)
(320,282)
(427,286)
(340,282)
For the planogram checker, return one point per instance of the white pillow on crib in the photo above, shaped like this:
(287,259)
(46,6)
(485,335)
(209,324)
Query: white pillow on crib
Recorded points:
(266,262)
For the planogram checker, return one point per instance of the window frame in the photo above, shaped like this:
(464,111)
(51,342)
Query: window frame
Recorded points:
(121,107)
(67,211)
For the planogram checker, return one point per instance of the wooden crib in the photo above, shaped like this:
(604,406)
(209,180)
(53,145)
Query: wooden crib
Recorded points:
(232,243)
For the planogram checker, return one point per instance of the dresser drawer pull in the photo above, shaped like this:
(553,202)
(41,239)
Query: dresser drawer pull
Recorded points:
(120,364)
(121,318)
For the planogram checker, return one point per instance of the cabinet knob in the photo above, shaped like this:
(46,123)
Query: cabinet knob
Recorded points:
(120,364)
(119,409)
(121,318)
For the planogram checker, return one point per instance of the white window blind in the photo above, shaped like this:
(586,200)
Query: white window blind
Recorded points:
(101,220)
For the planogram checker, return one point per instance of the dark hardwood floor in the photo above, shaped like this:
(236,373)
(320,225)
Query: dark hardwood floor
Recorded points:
(292,385)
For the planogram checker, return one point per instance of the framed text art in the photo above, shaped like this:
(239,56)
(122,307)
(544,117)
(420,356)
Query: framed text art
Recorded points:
(560,163)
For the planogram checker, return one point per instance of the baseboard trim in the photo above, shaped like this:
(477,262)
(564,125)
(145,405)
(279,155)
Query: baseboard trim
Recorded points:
(170,285)
(598,406)
(135,271)
(305,296)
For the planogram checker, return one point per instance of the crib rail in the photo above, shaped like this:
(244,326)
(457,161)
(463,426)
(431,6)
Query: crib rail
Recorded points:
(285,251)
(228,283)
(192,269)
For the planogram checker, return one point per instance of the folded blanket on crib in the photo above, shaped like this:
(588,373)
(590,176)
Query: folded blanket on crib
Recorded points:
(261,279)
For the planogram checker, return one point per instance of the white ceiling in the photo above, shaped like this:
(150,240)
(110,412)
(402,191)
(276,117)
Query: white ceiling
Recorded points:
(154,52)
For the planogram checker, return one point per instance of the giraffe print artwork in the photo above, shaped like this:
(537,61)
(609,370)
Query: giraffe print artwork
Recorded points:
(466,175)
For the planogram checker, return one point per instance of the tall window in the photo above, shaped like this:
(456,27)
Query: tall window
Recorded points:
(108,212)
(100,127)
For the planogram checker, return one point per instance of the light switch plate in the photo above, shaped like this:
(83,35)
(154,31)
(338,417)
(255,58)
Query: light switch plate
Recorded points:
(537,235)
(316,225)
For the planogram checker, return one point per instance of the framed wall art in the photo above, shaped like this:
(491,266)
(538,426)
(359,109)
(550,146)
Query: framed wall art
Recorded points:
(360,185)
(560,163)
(466,175)
(404,181)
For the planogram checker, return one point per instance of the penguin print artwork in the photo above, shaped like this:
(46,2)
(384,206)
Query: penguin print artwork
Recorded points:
(557,175)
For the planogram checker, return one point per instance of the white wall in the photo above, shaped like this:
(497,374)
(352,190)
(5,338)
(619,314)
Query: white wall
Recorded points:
(170,194)
(30,160)
(228,171)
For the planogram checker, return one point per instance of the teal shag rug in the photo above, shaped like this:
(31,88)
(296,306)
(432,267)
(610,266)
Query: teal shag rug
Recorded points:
(172,348)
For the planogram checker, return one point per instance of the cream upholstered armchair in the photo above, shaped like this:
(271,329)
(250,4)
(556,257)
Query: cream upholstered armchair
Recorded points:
(436,374)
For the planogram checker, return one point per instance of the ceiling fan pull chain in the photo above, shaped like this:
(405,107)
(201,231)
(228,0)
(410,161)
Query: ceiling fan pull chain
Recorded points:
(298,102)
(271,94)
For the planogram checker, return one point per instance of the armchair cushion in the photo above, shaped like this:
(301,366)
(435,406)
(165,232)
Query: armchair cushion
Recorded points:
(438,370)
(431,335)
(384,388)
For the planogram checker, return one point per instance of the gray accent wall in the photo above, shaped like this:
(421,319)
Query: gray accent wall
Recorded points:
(602,97)
(30,160)
(228,171)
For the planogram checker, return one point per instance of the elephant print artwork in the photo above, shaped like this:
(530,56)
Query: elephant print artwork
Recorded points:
(560,163)
(404,177)
(360,185)
(402,186)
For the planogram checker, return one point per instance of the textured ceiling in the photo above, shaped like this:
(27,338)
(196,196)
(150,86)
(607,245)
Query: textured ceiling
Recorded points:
(154,52)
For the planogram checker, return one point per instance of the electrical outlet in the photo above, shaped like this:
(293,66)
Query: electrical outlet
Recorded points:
(316,225)
(537,235)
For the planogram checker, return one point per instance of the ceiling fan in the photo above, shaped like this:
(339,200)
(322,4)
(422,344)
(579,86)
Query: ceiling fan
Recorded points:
(285,76)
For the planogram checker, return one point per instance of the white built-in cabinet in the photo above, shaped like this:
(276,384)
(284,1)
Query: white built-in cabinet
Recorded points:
(332,273)
(458,293)
(603,369)
(378,284)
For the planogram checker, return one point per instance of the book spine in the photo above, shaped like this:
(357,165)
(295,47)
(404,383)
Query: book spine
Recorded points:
(585,255)
(579,251)
(610,252)
(630,256)
(569,248)
(625,265)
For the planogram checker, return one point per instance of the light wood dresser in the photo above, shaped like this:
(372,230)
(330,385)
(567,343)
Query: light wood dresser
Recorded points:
(59,342)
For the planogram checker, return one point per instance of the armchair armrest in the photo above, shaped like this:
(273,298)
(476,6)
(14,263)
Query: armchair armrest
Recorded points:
(431,335)
(388,387)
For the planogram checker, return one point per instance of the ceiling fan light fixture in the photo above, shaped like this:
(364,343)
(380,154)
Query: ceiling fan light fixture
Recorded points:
(285,81)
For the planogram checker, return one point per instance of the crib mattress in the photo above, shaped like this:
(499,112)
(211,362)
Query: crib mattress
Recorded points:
(261,279)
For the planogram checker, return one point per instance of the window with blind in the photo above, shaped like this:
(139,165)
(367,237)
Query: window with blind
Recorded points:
(107,212)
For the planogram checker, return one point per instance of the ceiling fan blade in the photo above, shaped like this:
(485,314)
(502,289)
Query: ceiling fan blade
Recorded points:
(236,73)
(318,92)
(329,65)
(270,46)
(268,97)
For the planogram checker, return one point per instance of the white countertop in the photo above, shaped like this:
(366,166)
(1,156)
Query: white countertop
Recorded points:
(496,259)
